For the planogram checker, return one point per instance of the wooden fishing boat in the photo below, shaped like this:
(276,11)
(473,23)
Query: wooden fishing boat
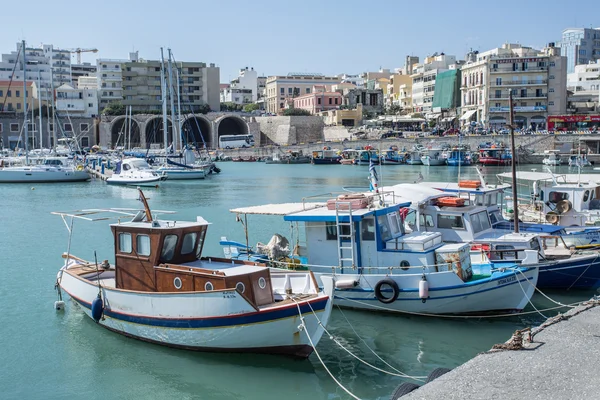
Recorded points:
(161,290)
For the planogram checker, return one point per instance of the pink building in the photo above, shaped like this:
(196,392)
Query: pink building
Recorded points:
(319,100)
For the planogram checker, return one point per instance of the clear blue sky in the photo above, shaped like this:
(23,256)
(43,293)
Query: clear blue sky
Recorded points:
(277,37)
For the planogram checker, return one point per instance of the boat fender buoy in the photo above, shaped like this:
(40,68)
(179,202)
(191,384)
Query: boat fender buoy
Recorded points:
(379,294)
(80,168)
(424,289)
(97,308)
(59,305)
(346,284)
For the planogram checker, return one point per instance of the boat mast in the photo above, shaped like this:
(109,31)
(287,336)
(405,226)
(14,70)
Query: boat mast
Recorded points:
(172,101)
(40,108)
(129,124)
(163,87)
(54,125)
(179,124)
(25,122)
(514,161)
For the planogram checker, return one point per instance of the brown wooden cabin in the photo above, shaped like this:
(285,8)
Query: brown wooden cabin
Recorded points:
(165,256)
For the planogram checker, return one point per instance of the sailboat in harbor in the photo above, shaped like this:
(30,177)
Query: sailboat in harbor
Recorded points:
(55,169)
(185,168)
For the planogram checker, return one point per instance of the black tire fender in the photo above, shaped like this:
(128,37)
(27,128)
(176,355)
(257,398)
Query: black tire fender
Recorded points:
(402,389)
(436,373)
(395,289)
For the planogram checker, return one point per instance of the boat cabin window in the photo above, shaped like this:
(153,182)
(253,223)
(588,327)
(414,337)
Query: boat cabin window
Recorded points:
(586,195)
(429,221)
(126,167)
(450,222)
(368,229)
(200,243)
(534,244)
(142,245)
(555,197)
(168,248)
(125,242)
(331,230)
(384,228)
(480,221)
(189,243)
(495,217)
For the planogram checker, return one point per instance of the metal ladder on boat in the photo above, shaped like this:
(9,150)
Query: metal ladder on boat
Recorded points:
(345,237)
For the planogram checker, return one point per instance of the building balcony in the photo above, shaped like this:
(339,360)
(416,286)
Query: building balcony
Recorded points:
(129,73)
(520,83)
(506,109)
(109,69)
(111,78)
(518,96)
(510,71)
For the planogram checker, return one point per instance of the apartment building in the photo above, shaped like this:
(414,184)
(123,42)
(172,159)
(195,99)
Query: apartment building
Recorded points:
(580,46)
(11,96)
(46,64)
(281,89)
(536,79)
(244,89)
(583,88)
(136,83)
(423,80)
(76,102)
(79,70)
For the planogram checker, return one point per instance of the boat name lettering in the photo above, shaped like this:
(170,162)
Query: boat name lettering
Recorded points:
(507,280)
(229,296)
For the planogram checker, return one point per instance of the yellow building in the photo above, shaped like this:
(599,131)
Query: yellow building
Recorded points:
(396,82)
(11,96)
(343,117)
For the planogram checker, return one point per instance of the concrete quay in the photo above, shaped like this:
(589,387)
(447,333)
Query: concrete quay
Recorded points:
(559,363)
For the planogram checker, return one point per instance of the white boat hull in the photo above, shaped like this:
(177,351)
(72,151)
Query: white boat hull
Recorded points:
(503,292)
(182,174)
(220,320)
(145,182)
(433,162)
(39,174)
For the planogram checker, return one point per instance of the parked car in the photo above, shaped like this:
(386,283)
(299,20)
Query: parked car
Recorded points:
(480,131)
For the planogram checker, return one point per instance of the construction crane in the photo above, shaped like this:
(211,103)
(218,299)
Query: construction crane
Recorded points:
(80,50)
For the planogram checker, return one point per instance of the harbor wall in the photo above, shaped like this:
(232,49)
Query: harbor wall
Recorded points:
(290,130)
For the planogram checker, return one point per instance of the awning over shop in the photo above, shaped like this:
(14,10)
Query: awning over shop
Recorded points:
(538,119)
(448,119)
(433,115)
(468,115)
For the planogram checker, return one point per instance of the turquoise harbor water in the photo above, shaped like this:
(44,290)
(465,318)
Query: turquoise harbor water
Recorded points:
(63,355)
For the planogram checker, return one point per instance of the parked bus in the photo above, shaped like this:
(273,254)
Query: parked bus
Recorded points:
(235,141)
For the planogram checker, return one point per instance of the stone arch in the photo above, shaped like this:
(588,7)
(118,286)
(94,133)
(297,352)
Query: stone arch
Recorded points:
(197,130)
(231,125)
(154,131)
(119,132)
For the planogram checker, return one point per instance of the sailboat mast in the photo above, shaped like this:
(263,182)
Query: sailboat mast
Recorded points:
(172,102)
(514,162)
(54,138)
(40,109)
(179,124)
(25,128)
(163,87)
(129,124)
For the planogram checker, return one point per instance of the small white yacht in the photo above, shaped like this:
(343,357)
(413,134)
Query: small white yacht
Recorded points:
(135,172)
(433,157)
(52,169)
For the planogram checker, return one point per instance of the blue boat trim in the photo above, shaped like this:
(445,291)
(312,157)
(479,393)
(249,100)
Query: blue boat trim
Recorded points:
(212,322)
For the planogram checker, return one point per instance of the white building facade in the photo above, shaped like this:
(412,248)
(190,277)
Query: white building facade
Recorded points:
(536,79)
(423,76)
(76,102)
(583,87)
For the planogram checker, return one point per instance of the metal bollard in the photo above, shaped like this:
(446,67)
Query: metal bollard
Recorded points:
(108,164)
(103,165)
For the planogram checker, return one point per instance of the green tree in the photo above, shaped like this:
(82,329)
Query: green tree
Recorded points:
(204,109)
(114,108)
(250,107)
(295,112)
(393,109)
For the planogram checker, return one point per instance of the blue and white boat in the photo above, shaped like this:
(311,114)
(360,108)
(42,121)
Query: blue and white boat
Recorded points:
(367,156)
(459,156)
(134,172)
(391,157)
(377,265)
(561,265)
(161,290)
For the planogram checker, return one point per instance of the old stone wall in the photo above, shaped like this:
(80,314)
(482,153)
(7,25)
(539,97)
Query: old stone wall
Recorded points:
(290,130)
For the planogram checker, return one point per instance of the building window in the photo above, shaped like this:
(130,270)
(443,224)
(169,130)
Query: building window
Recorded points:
(85,141)
(290,90)
(90,105)
(330,99)
(68,127)
(552,64)
(14,127)
(31,127)
(307,91)
(551,77)
(83,127)
(319,100)
(282,90)
(336,100)
(0,128)
(498,81)
(551,90)
(18,106)
(9,93)
(17,93)
(550,103)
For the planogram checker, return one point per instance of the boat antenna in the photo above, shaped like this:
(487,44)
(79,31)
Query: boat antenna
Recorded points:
(514,161)
(142,198)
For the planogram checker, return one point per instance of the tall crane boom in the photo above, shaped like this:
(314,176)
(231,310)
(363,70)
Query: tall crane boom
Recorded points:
(80,50)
